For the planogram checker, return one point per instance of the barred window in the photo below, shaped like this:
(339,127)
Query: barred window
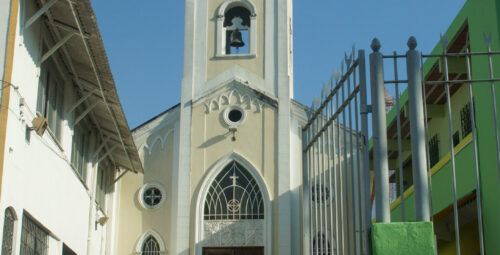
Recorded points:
(150,246)
(34,239)
(433,150)
(234,194)
(465,120)
(8,231)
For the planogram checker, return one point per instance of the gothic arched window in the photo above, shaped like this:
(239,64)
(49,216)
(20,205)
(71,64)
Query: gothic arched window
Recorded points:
(236,28)
(150,246)
(234,194)
(8,231)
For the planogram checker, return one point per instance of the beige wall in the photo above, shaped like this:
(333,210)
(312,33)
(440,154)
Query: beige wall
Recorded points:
(215,66)
(134,219)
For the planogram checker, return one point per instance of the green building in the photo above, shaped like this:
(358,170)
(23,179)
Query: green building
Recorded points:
(466,32)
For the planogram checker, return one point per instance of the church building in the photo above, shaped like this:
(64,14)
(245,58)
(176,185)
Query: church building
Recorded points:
(222,169)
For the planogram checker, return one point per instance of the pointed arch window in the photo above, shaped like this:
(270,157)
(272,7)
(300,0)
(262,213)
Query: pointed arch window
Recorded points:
(8,231)
(233,195)
(236,29)
(150,246)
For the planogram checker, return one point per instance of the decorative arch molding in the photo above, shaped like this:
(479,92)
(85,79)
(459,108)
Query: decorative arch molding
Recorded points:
(221,31)
(144,237)
(231,3)
(205,184)
(227,98)
(159,138)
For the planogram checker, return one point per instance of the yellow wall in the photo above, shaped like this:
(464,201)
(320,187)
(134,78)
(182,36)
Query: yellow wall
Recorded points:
(215,66)
(469,242)
(134,219)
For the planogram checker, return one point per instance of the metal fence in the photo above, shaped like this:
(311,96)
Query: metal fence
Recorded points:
(336,152)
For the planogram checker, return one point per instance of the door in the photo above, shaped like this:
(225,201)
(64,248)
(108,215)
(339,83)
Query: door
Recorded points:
(233,250)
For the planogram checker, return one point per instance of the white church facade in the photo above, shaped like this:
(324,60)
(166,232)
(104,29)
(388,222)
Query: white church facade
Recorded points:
(222,170)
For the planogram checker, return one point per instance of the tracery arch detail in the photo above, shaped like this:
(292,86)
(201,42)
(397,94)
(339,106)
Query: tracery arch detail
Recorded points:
(234,195)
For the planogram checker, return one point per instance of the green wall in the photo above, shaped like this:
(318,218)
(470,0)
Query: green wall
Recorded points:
(481,16)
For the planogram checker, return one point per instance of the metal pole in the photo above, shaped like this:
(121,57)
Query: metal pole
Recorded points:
(417,129)
(333,189)
(306,195)
(452,150)
(365,188)
(329,114)
(380,162)
(346,173)
(494,103)
(319,188)
(400,145)
(310,166)
(479,201)
(351,158)
(340,184)
(314,190)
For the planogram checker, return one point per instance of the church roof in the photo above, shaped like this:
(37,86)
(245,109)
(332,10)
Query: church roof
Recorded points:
(87,63)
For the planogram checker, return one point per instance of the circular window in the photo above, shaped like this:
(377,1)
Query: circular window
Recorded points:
(234,115)
(152,195)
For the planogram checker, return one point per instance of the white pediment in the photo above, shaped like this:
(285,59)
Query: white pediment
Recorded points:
(231,75)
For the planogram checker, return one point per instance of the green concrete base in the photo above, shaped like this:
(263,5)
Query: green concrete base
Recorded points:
(403,238)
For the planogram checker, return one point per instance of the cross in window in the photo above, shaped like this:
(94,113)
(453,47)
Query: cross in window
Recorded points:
(234,178)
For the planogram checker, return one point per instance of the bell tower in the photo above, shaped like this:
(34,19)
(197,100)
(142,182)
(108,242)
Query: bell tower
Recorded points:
(248,44)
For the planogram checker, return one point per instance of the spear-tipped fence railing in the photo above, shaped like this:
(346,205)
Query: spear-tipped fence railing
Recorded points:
(336,153)
(336,173)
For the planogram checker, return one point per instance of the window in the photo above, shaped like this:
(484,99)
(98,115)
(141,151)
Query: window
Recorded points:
(80,151)
(321,245)
(233,195)
(234,115)
(456,138)
(51,99)
(465,119)
(34,238)
(236,28)
(152,195)
(8,231)
(150,246)
(103,179)
(320,194)
(433,150)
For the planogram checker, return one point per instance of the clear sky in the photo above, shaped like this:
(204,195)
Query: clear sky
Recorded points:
(144,41)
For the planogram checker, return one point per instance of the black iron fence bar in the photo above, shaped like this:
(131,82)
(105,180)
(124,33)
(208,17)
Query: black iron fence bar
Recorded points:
(333,173)
(334,116)
(330,170)
(332,92)
(357,173)
(461,54)
(463,81)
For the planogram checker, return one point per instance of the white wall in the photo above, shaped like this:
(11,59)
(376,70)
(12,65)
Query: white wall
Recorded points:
(37,176)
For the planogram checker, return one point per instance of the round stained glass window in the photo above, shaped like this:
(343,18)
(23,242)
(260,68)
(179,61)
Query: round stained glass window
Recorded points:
(152,195)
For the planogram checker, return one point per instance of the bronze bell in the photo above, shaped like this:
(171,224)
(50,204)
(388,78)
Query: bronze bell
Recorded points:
(236,40)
